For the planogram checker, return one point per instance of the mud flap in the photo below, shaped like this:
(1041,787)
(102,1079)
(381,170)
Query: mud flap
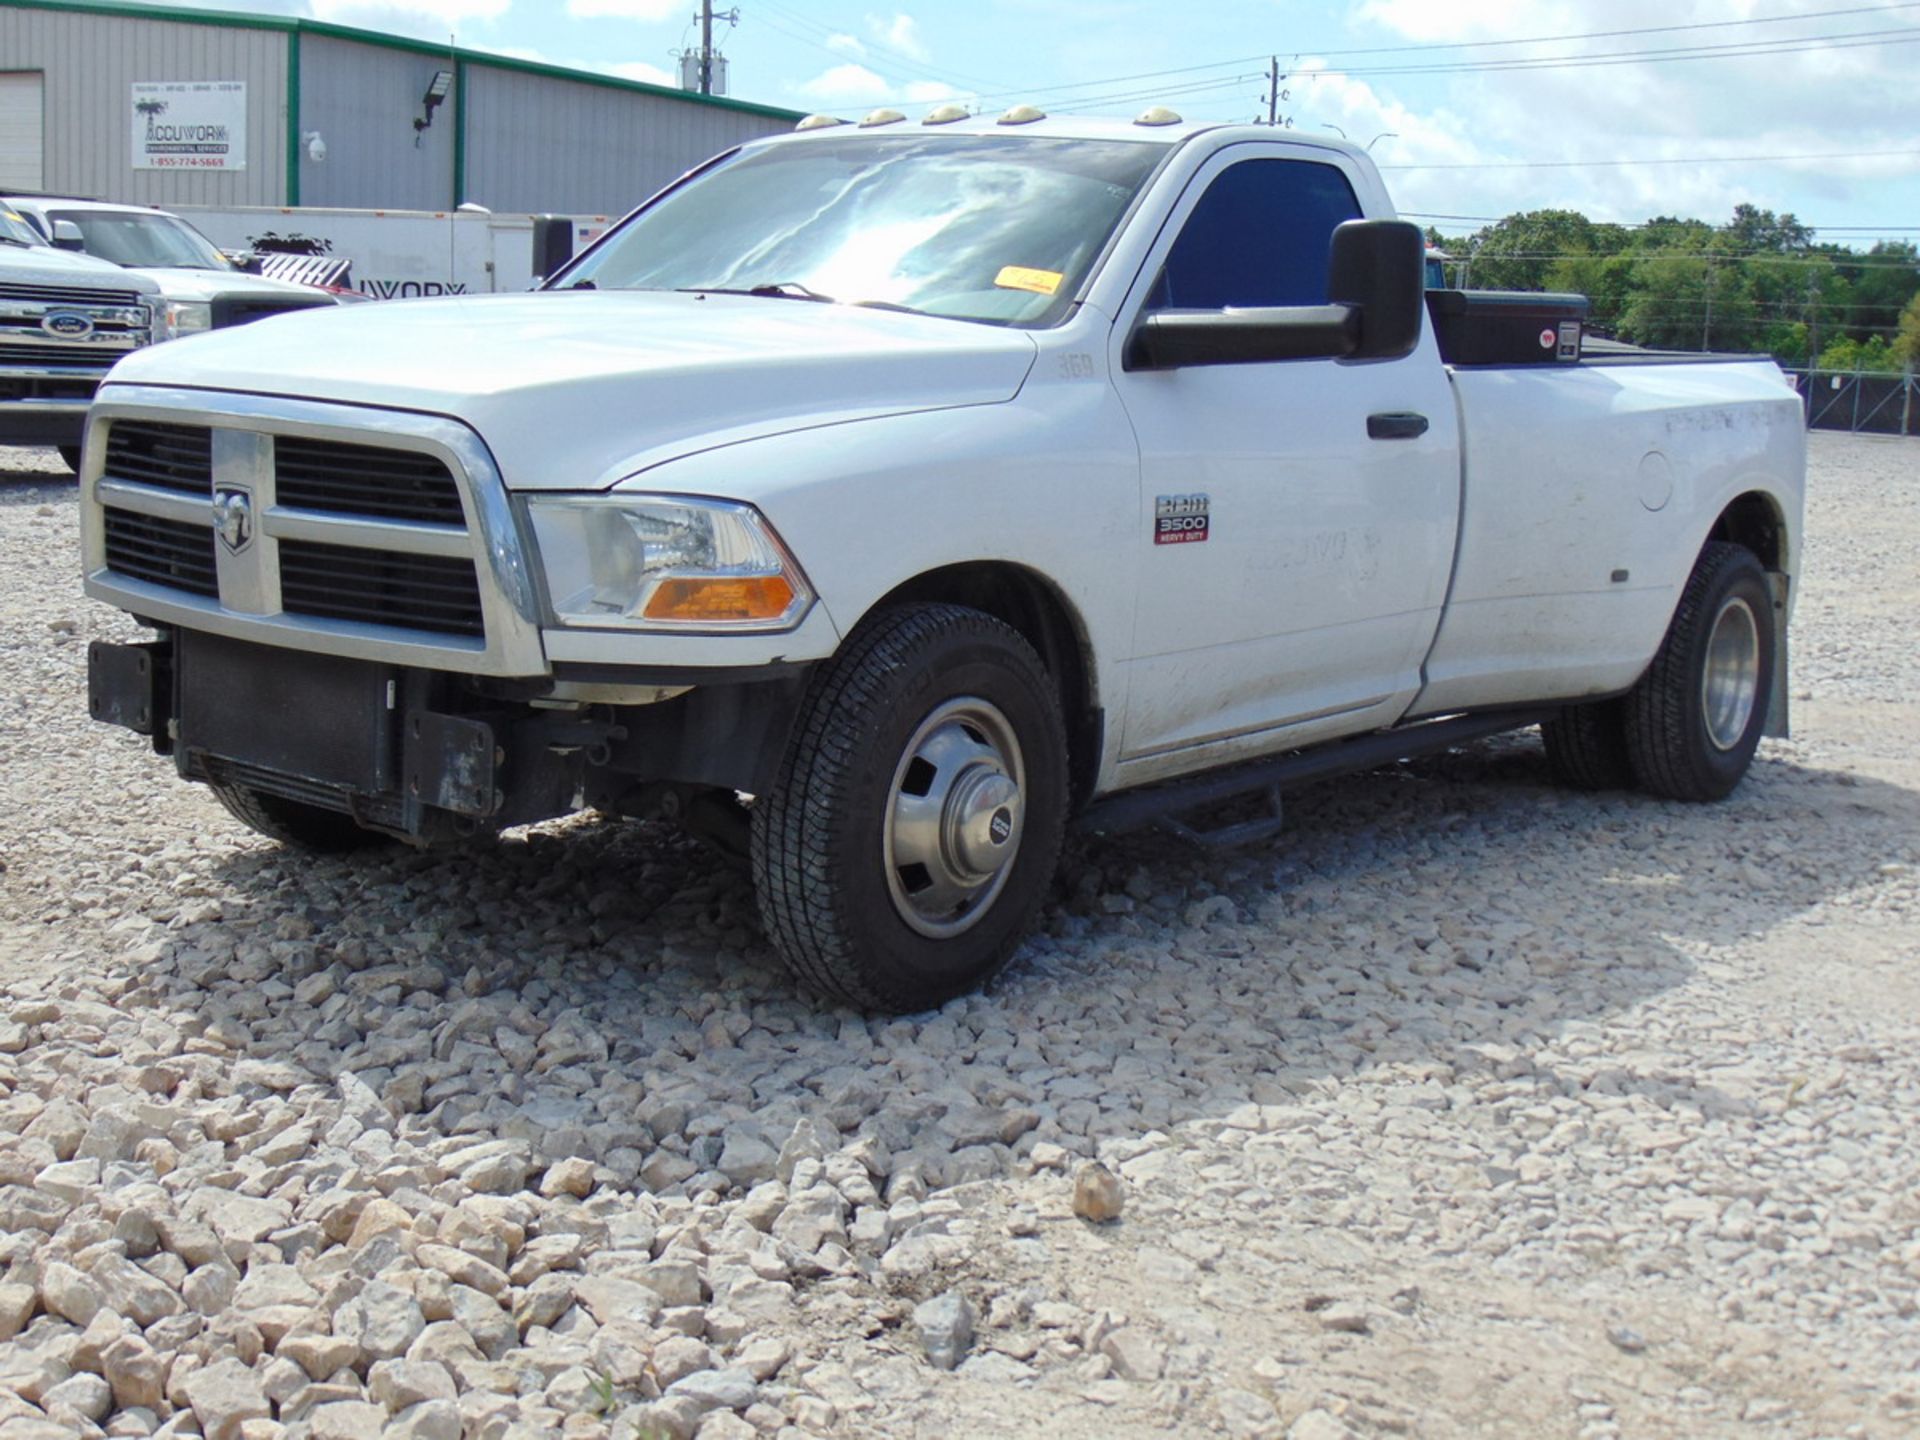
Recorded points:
(1778,726)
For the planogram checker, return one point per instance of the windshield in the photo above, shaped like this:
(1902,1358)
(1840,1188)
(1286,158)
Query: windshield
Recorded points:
(16,231)
(991,227)
(134,238)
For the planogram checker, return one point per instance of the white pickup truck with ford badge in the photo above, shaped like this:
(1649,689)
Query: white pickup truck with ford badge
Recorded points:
(889,495)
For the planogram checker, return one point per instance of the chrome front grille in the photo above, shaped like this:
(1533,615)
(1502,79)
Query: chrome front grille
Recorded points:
(67,294)
(38,353)
(311,526)
(365,480)
(161,551)
(171,457)
(111,323)
(344,582)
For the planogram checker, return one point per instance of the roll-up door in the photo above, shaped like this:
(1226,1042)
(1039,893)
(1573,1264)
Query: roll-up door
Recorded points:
(20,138)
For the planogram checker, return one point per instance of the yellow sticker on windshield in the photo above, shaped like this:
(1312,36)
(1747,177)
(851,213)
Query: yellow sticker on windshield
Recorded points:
(1019,277)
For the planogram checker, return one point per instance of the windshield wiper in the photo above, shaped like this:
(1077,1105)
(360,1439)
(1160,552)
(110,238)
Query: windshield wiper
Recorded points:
(767,289)
(16,240)
(793,290)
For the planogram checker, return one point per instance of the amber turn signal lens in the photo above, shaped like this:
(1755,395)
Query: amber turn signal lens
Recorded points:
(721,598)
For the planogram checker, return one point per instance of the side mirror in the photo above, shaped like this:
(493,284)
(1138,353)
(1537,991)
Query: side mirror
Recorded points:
(247,262)
(1376,276)
(67,236)
(1380,267)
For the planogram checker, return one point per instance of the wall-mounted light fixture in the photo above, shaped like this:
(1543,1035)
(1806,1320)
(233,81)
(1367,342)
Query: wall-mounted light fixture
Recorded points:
(316,147)
(437,89)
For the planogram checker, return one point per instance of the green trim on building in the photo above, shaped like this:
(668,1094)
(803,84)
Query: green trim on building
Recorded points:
(296,27)
(459,133)
(293,118)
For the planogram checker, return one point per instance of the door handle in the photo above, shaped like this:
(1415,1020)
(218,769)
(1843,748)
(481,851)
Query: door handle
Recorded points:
(1399,426)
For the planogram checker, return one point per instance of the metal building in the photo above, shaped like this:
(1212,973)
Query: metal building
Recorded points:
(164,106)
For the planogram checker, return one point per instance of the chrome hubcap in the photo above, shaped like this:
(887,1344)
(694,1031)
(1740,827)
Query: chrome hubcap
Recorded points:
(1730,681)
(954,817)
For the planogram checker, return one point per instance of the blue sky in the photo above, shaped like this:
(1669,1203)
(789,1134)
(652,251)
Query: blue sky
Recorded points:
(1813,113)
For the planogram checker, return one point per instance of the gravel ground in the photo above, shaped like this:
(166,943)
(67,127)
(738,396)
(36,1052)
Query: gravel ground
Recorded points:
(1467,1107)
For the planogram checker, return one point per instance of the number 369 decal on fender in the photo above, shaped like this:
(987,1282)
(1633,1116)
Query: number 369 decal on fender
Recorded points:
(1179,519)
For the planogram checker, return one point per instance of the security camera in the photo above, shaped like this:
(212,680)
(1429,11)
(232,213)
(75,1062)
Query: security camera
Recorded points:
(316,147)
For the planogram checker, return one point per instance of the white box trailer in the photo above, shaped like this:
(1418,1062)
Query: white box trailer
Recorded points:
(400,254)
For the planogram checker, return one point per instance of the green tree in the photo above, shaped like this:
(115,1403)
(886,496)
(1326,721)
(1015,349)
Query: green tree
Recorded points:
(1878,284)
(1906,343)
(1686,301)
(1874,356)
(1753,231)
(1520,252)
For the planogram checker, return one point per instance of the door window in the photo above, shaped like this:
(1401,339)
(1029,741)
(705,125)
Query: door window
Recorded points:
(1261,235)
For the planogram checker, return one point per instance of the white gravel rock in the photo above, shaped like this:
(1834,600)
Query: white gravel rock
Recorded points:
(1483,1060)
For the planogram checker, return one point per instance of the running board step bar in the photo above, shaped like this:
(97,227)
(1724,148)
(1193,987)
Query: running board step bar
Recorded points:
(1163,804)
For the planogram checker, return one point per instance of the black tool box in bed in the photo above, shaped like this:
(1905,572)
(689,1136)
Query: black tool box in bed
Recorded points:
(1507,327)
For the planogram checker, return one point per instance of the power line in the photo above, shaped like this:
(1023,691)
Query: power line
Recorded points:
(1847,40)
(1663,160)
(1062,88)
(1641,224)
(880,50)
(1616,34)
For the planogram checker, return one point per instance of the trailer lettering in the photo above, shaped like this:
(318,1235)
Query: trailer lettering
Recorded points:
(412,289)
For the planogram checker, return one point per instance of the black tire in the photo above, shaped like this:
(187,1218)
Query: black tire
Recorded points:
(833,896)
(71,455)
(304,827)
(1587,746)
(1669,731)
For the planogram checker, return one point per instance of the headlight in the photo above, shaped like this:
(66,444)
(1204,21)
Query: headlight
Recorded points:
(174,318)
(657,562)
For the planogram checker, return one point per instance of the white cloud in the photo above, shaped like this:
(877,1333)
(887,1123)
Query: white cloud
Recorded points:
(927,92)
(847,45)
(624,69)
(1801,99)
(847,85)
(642,71)
(648,12)
(850,85)
(430,18)
(898,32)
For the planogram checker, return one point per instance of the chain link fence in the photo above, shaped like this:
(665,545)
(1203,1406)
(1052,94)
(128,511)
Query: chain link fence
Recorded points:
(1862,403)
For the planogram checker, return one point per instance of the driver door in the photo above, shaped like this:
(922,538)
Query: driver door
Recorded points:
(1291,567)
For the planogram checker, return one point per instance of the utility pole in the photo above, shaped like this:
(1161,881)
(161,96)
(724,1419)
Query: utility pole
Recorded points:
(704,70)
(1706,321)
(1813,322)
(706,47)
(1273,90)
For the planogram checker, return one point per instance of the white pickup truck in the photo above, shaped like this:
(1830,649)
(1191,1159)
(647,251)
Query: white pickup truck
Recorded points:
(888,495)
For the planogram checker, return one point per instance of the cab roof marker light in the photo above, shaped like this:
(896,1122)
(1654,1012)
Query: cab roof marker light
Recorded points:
(819,122)
(1022,115)
(882,117)
(1157,115)
(945,115)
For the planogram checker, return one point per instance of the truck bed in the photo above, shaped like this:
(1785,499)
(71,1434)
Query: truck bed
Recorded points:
(1582,490)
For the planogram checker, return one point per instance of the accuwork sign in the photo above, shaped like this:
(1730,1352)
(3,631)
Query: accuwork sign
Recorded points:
(190,125)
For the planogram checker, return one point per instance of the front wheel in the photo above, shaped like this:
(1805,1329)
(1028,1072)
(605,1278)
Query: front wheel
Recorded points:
(918,816)
(1694,720)
(294,823)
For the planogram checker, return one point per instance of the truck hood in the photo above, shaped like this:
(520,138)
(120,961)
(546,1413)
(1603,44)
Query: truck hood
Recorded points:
(43,265)
(183,284)
(575,390)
